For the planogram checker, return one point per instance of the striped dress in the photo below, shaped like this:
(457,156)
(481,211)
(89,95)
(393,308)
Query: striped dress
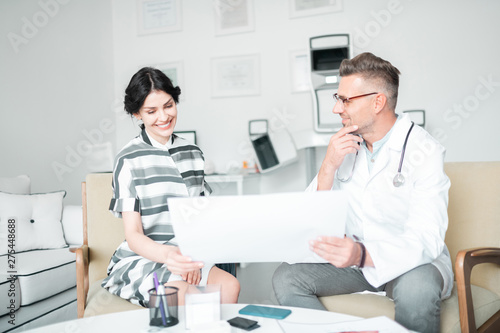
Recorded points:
(145,175)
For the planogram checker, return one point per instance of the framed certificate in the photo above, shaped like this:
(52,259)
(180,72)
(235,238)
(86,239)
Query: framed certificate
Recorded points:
(158,16)
(188,135)
(233,16)
(300,71)
(300,8)
(236,76)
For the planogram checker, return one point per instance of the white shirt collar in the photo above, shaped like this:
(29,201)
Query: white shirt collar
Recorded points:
(156,144)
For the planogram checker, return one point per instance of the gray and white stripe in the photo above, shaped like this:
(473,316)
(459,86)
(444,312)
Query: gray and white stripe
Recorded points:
(144,177)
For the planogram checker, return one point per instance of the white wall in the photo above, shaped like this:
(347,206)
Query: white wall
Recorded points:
(444,49)
(56,80)
(222,123)
(71,75)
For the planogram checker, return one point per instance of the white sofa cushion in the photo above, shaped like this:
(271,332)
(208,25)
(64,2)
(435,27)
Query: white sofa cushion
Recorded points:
(72,222)
(44,273)
(36,312)
(17,185)
(37,220)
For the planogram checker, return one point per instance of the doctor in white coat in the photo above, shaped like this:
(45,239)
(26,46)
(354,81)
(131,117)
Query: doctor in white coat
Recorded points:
(398,198)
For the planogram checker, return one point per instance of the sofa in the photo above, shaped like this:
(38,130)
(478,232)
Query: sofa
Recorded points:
(38,274)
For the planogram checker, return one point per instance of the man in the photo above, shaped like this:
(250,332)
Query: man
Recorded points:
(396,221)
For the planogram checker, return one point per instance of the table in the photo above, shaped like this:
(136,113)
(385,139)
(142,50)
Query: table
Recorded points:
(220,182)
(138,321)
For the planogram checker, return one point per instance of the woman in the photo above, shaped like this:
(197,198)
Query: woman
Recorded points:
(152,167)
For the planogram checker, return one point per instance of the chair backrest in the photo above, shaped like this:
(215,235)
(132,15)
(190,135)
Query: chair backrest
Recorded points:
(474,215)
(104,231)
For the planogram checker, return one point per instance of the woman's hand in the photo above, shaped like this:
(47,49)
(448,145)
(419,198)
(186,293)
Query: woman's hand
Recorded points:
(181,265)
(193,277)
(141,244)
(149,249)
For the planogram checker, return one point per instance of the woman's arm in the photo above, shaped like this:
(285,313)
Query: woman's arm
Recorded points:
(149,249)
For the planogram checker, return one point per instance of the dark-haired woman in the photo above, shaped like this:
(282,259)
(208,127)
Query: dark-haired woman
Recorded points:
(152,167)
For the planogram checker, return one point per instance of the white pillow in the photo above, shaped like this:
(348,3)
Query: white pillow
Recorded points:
(37,220)
(18,185)
(72,222)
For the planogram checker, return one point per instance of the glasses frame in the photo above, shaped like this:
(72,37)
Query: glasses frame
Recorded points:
(345,101)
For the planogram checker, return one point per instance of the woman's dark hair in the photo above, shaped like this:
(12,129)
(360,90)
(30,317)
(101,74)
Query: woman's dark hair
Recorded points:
(145,81)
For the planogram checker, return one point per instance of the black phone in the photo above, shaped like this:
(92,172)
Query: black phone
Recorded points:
(243,323)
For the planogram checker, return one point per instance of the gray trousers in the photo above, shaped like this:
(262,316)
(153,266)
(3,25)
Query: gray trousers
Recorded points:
(416,294)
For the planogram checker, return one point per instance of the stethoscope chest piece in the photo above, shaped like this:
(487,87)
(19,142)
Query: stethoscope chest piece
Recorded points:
(398,180)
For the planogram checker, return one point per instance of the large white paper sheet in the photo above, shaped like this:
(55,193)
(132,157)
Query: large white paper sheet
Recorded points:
(257,228)
(377,324)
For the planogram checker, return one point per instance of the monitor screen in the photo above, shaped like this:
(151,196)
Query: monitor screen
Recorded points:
(265,152)
(328,59)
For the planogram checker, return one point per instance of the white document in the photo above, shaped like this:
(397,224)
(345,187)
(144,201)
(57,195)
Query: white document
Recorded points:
(257,228)
(377,324)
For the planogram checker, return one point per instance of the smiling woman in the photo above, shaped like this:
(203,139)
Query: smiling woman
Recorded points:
(154,166)
(150,90)
(158,114)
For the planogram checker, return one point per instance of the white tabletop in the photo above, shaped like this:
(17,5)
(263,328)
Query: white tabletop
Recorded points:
(138,321)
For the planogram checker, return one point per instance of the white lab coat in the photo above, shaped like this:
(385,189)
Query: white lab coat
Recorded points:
(401,227)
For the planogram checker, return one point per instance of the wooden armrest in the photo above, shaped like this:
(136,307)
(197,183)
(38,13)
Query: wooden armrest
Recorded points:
(82,278)
(466,260)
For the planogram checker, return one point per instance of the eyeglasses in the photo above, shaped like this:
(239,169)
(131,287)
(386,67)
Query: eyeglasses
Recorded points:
(345,101)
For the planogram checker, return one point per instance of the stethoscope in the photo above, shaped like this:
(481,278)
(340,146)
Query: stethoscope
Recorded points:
(399,179)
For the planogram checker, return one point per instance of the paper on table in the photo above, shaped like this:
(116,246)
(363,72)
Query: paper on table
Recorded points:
(257,228)
(378,324)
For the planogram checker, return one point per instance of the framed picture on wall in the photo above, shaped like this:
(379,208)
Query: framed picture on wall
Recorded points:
(175,72)
(301,8)
(158,16)
(233,16)
(300,71)
(236,76)
(188,135)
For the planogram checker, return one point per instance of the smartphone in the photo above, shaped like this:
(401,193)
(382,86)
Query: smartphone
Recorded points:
(265,311)
(243,323)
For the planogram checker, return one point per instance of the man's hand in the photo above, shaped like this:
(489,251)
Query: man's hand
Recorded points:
(342,144)
(339,146)
(340,252)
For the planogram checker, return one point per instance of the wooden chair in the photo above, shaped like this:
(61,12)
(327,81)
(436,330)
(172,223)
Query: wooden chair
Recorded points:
(102,233)
(473,238)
